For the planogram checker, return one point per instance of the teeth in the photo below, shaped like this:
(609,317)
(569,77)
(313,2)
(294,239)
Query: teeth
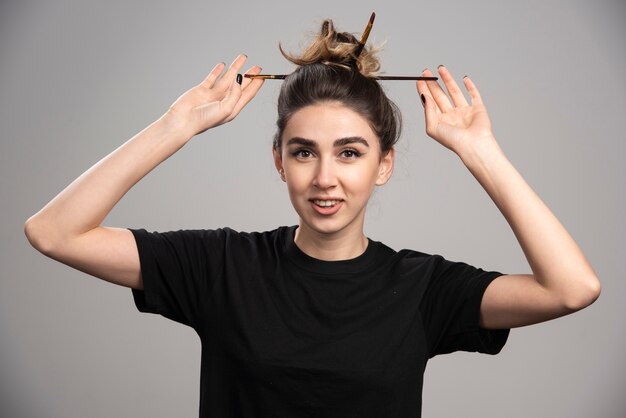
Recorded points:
(326,203)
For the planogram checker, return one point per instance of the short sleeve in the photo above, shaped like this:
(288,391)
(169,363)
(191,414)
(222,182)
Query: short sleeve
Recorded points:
(177,268)
(450,310)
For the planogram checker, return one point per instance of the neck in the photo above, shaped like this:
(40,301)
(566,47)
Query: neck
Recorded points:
(341,245)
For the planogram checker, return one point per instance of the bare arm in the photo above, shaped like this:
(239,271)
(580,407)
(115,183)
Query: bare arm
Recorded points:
(68,228)
(563,280)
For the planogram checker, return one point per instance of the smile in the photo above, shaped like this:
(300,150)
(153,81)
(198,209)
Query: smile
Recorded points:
(326,203)
(326,207)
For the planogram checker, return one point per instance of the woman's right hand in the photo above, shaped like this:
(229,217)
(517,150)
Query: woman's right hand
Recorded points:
(216,100)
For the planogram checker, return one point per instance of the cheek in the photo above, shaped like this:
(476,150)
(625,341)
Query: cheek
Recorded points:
(296,181)
(362,180)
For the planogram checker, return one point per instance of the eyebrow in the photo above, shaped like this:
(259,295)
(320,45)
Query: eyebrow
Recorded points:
(296,140)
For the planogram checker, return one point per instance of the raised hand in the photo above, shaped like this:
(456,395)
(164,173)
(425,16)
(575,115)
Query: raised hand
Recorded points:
(554,288)
(69,228)
(456,125)
(216,100)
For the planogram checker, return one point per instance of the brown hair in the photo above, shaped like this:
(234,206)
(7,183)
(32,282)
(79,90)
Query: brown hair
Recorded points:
(330,71)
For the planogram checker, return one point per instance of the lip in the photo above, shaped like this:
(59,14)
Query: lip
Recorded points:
(326,211)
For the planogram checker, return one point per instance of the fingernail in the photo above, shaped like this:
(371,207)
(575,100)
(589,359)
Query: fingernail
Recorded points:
(425,69)
(423,99)
(439,66)
(239,78)
(464,76)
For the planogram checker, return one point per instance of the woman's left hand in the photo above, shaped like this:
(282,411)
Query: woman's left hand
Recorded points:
(457,125)
(563,281)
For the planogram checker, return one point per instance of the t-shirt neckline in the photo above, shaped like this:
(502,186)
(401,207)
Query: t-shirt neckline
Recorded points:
(356,265)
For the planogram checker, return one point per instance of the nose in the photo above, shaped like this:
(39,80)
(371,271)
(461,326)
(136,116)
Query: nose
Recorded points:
(325,176)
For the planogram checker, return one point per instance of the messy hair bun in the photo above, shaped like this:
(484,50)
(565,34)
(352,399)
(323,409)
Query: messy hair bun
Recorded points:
(337,49)
(331,69)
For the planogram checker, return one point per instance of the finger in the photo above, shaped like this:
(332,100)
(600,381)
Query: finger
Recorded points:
(229,76)
(249,91)
(453,89)
(233,95)
(215,72)
(472,90)
(437,92)
(253,71)
(422,89)
(430,114)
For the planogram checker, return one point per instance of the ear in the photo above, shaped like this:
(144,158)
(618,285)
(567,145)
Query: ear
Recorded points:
(385,168)
(278,159)
(278,162)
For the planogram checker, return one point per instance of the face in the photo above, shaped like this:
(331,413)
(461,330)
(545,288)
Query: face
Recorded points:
(331,160)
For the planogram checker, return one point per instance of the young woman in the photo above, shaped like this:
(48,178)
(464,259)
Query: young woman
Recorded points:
(317,319)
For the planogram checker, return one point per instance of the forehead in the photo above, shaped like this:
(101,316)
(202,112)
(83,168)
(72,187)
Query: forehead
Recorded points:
(326,122)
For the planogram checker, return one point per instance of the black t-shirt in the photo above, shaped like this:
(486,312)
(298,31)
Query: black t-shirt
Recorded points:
(285,335)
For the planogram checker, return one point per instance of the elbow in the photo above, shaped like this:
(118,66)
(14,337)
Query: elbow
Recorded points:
(36,235)
(587,293)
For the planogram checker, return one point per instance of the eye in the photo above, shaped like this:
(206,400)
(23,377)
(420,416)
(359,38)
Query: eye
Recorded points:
(302,153)
(350,154)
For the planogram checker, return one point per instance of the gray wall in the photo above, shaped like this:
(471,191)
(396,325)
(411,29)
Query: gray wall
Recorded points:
(78,78)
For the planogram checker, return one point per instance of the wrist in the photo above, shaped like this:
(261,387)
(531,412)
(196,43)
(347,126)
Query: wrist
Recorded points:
(480,151)
(175,126)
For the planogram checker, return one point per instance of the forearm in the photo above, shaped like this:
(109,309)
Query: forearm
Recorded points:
(557,263)
(85,203)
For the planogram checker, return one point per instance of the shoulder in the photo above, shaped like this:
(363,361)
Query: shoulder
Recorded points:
(432,268)
(258,238)
(222,231)
(438,267)
(408,260)
(403,255)
(219,237)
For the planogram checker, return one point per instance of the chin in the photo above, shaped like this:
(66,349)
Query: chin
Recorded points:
(329,226)
(323,229)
